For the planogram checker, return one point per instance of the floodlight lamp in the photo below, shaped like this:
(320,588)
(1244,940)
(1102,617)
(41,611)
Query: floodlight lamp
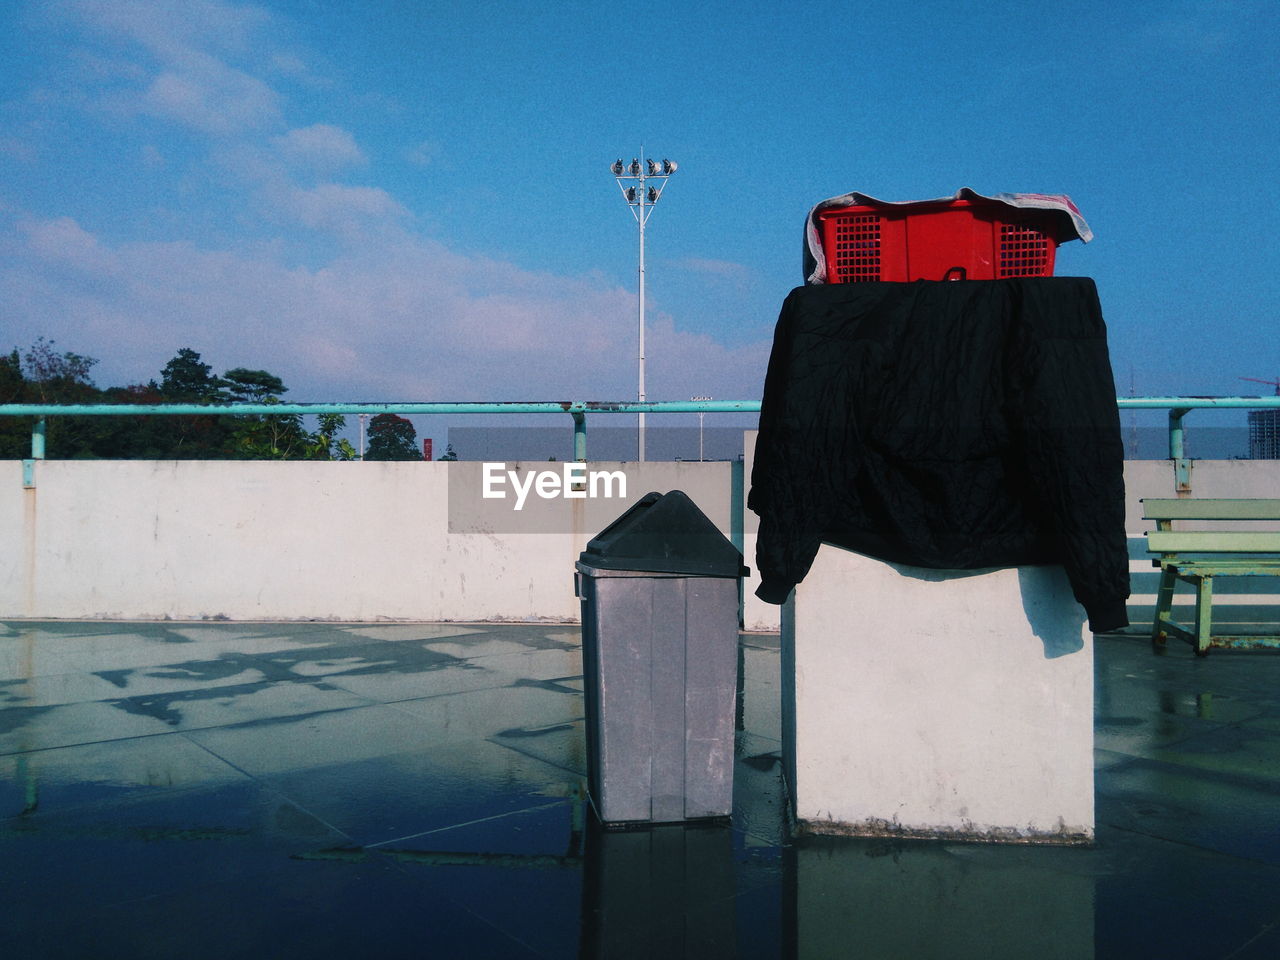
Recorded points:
(653,194)
(668,167)
(635,167)
(631,194)
(654,169)
(617,167)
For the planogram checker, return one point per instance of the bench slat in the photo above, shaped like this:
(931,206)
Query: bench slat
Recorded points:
(1212,553)
(1213,541)
(1205,567)
(1169,509)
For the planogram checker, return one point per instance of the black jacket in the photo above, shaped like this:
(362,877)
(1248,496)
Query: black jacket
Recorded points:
(953,425)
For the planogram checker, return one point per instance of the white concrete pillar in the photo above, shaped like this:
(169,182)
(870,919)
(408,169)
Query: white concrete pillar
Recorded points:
(938,703)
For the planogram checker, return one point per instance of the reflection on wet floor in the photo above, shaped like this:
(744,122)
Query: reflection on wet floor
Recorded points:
(325,790)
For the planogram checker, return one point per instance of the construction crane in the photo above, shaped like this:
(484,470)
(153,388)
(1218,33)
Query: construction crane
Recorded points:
(1274,383)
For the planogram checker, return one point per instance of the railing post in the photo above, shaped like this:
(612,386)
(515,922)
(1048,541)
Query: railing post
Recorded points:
(37,453)
(1178,450)
(579,435)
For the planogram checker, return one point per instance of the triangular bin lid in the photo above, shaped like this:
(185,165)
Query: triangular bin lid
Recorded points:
(664,533)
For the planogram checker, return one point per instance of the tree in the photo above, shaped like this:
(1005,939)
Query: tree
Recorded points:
(185,379)
(450,454)
(15,432)
(11,378)
(57,377)
(392,438)
(44,375)
(324,444)
(252,386)
(256,437)
(279,437)
(52,377)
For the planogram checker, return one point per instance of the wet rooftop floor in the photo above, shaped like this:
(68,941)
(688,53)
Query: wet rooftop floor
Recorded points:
(324,790)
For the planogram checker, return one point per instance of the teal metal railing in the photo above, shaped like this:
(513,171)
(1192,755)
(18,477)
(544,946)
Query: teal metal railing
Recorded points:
(1178,408)
(576,409)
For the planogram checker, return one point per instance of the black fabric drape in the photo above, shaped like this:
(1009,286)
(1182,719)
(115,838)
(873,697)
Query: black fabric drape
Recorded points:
(953,425)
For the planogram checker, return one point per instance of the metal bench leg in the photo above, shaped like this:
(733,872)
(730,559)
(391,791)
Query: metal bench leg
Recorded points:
(1204,615)
(1164,605)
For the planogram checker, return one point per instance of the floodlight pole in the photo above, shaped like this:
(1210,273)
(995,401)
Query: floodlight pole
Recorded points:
(641,200)
(641,217)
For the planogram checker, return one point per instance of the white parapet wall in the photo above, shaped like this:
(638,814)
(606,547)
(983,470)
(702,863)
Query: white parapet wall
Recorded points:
(357,541)
(254,540)
(927,703)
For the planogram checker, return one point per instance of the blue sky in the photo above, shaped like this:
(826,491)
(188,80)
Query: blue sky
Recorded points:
(411,200)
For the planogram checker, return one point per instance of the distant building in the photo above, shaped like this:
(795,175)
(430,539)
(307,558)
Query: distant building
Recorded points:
(1264,434)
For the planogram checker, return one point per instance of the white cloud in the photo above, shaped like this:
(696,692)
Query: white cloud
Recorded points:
(212,98)
(293,66)
(18,148)
(107,69)
(721,268)
(190,78)
(1199,28)
(394,316)
(321,146)
(64,242)
(342,209)
(424,154)
(169,29)
(409,320)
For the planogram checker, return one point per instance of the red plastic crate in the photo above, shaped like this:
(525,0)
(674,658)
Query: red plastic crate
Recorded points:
(954,239)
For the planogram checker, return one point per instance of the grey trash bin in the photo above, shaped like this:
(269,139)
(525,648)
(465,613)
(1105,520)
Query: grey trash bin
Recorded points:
(659,591)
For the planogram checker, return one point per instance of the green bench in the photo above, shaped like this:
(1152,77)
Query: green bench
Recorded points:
(1199,556)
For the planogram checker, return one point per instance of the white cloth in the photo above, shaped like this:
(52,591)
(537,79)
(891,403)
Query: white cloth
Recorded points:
(815,262)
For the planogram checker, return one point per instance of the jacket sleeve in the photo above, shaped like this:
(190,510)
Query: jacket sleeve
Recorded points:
(788,537)
(1069,427)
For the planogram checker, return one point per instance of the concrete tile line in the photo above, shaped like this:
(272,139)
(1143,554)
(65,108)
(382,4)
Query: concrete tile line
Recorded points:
(1220,772)
(48,768)
(1146,749)
(288,718)
(428,673)
(35,746)
(466,908)
(399,702)
(1241,756)
(221,642)
(558,802)
(266,786)
(572,684)
(532,643)
(1188,844)
(168,707)
(534,756)
(144,706)
(1264,932)
(57,689)
(1183,841)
